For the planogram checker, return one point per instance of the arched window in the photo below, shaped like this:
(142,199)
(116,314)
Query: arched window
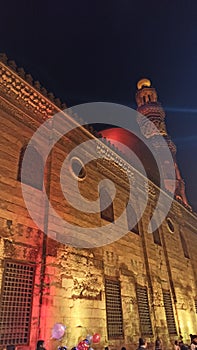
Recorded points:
(107,213)
(33,170)
(132,219)
(184,246)
(156,235)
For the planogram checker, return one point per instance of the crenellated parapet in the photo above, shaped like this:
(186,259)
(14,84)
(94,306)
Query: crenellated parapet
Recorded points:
(21,87)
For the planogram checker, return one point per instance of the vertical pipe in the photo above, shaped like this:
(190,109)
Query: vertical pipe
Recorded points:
(47,184)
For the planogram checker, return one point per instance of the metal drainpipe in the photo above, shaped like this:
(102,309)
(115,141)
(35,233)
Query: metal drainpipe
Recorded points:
(46,215)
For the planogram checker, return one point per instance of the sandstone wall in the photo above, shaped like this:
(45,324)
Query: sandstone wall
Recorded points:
(70,282)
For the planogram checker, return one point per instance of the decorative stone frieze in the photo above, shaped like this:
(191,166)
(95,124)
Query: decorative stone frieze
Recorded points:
(24,94)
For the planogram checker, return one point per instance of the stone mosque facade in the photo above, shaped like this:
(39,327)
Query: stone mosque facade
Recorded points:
(139,285)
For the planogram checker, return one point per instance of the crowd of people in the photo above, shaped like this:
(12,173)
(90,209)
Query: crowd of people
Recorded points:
(178,344)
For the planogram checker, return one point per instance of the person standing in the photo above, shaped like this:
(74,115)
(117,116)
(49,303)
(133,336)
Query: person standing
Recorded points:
(176,345)
(40,345)
(142,344)
(158,343)
(193,345)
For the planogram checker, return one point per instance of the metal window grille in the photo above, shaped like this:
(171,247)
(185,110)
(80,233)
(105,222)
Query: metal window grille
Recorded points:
(195,301)
(143,309)
(114,309)
(169,312)
(15,303)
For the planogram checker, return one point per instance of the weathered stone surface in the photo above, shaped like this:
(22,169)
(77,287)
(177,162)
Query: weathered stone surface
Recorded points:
(69,283)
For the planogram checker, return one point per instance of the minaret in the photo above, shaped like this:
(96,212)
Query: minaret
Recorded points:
(148,105)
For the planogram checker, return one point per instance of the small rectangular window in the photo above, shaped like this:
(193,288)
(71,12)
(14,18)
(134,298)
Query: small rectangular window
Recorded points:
(156,237)
(184,246)
(132,219)
(31,171)
(107,213)
(156,234)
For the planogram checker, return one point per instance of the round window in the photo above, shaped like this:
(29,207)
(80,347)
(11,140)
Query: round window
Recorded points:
(170,225)
(78,169)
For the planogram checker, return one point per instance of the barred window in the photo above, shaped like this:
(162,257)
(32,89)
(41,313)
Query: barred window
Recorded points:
(16,303)
(195,301)
(113,309)
(32,173)
(132,219)
(107,213)
(169,312)
(143,309)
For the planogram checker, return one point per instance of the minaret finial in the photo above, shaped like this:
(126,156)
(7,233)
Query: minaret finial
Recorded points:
(143,82)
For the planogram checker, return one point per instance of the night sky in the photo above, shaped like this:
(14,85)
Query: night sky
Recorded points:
(86,51)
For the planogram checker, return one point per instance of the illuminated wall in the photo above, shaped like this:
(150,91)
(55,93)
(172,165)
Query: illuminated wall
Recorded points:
(69,283)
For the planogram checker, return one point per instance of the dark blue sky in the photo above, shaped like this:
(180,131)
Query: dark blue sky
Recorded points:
(87,51)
